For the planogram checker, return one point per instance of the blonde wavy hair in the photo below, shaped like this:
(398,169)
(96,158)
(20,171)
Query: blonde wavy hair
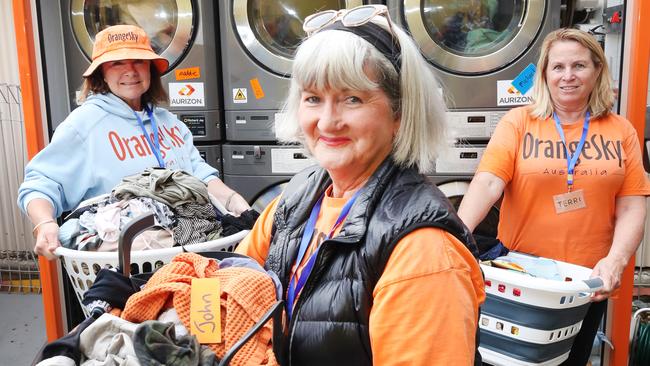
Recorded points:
(601,99)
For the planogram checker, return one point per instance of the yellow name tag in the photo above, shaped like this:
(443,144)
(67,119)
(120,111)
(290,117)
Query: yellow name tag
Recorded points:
(205,310)
(571,201)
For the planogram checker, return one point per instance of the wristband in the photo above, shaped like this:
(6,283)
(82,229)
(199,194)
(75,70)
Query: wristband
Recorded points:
(46,221)
(229,199)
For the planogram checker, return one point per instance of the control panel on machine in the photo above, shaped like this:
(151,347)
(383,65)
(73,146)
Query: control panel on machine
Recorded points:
(472,125)
(270,159)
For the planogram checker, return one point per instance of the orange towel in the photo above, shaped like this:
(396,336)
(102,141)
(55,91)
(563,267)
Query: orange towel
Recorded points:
(246,295)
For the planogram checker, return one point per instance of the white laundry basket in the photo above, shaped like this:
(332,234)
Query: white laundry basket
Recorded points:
(83,266)
(532,321)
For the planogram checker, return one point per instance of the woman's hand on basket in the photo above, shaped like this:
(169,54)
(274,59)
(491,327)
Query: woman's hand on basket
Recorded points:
(609,269)
(47,240)
(237,205)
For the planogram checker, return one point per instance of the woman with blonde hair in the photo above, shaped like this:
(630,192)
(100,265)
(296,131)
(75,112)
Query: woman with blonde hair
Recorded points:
(570,173)
(377,267)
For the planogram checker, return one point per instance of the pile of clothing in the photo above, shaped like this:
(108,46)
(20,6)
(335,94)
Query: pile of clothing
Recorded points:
(493,253)
(533,266)
(180,204)
(149,326)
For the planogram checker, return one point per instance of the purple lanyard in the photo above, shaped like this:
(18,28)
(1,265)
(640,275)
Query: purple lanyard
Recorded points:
(155,146)
(295,288)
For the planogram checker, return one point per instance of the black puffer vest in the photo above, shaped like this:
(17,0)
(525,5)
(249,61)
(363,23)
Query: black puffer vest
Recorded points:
(331,316)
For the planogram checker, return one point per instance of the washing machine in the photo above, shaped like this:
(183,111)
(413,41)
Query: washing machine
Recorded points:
(182,31)
(475,44)
(477,48)
(260,172)
(455,168)
(260,37)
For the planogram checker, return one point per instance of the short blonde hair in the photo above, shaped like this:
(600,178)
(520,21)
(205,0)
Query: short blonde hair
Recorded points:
(601,99)
(340,60)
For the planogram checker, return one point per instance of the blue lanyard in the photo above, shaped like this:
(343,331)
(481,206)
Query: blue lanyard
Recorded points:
(572,159)
(155,146)
(295,288)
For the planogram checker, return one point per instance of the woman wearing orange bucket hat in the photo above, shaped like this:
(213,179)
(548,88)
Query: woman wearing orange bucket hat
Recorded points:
(118,130)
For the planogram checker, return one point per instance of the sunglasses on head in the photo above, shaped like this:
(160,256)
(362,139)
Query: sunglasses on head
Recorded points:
(349,17)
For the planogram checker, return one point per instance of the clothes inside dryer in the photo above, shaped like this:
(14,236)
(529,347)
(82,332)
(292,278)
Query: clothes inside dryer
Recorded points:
(472,28)
(161,19)
(479,45)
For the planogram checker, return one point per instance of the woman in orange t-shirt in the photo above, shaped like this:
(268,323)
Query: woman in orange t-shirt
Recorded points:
(585,206)
(376,265)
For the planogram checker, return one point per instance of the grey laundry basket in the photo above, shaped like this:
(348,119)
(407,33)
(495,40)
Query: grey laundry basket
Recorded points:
(533,321)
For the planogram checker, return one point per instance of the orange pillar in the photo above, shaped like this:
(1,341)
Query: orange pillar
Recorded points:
(34,136)
(638,62)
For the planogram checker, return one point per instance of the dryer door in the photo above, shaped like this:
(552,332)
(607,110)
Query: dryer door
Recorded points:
(268,195)
(455,191)
(170,24)
(271,30)
(471,37)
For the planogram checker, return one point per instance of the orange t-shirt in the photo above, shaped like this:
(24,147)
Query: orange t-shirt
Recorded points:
(425,304)
(528,154)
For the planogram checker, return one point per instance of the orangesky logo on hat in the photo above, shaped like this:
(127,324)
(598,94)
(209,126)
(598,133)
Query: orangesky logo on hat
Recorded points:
(123,36)
(124,42)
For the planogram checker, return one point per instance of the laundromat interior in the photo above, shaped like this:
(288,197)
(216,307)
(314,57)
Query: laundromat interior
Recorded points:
(229,72)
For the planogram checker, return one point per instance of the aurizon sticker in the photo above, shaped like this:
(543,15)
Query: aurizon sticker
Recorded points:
(239,95)
(258,92)
(188,73)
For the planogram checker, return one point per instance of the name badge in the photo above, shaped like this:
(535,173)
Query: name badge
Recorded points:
(571,201)
(205,310)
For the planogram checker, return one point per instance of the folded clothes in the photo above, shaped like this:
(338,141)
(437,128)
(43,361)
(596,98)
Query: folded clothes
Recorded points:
(535,266)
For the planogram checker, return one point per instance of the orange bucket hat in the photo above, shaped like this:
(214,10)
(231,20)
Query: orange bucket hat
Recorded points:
(124,42)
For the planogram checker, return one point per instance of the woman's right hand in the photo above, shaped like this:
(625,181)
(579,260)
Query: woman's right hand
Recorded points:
(237,204)
(47,240)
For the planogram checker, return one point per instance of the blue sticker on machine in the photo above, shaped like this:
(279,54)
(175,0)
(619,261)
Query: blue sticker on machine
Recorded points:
(524,81)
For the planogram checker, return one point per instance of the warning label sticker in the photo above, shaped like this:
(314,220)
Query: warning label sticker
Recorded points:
(186,94)
(239,95)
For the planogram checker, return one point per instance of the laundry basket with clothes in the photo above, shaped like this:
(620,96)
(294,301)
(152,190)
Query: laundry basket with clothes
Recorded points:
(534,309)
(184,215)
(149,325)
(184,212)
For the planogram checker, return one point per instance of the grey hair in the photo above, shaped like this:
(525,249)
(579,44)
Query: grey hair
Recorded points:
(334,59)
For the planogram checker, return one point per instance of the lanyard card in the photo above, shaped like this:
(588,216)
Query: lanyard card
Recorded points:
(570,201)
(205,310)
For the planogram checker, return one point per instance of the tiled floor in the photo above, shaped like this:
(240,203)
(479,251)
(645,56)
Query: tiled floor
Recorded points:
(22,328)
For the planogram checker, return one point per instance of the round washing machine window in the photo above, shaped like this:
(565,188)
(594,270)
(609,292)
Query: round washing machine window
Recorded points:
(169,23)
(271,30)
(474,36)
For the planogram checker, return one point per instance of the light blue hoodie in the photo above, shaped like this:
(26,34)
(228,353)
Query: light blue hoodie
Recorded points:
(99,143)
